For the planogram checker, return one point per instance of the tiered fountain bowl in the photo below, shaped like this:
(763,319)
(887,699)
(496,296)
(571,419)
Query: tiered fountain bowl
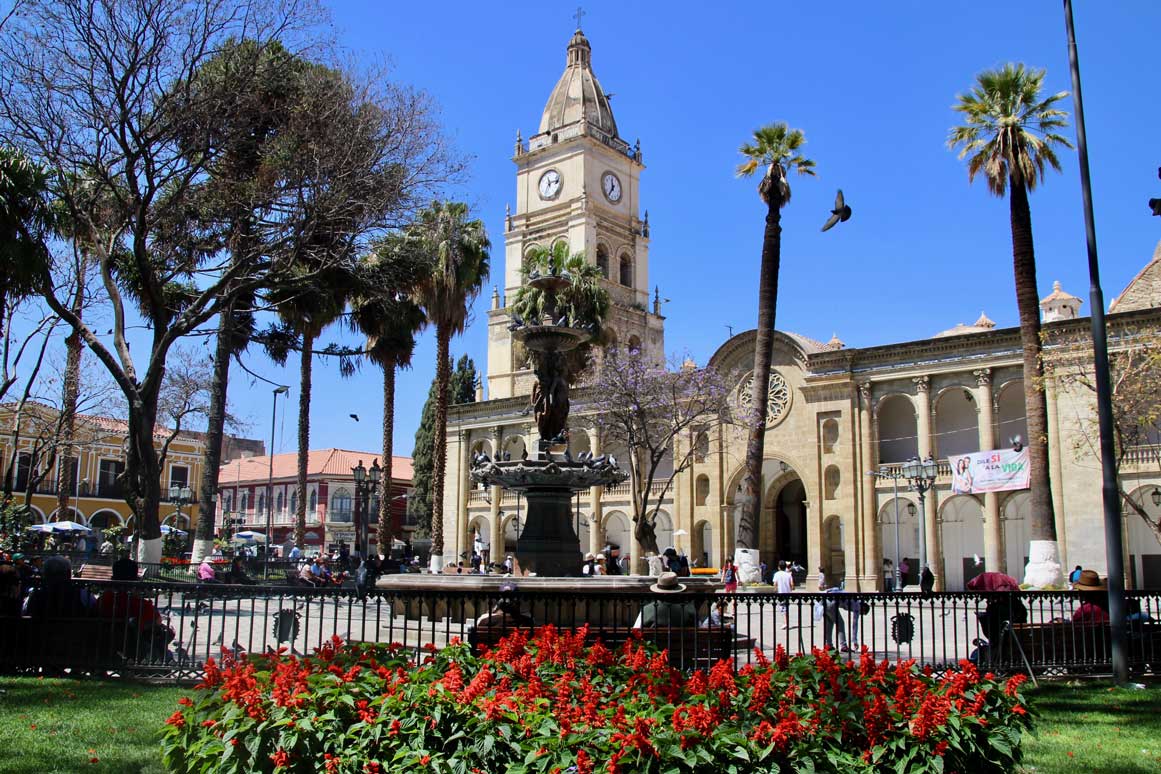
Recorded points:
(547,544)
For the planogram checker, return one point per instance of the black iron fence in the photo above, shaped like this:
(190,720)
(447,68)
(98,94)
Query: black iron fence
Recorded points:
(169,629)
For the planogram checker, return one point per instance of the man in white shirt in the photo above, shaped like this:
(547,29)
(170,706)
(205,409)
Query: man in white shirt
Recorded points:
(784,584)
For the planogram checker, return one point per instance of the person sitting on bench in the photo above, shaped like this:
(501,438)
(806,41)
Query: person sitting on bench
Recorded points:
(58,597)
(673,613)
(206,573)
(1094,599)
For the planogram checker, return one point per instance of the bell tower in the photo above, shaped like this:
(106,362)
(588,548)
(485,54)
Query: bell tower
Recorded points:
(577,181)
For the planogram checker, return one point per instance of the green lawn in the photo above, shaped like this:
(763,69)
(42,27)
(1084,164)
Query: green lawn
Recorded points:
(1086,726)
(55,726)
(52,726)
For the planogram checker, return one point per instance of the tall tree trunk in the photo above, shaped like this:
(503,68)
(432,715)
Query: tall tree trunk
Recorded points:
(66,481)
(763,352)
(384,531)
(303,439)
(439,453)
(142,479)
(215,434)
(1043,556)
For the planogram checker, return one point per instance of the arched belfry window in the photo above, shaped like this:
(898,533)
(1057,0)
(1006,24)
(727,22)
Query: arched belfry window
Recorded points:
(603,260)
(626,271)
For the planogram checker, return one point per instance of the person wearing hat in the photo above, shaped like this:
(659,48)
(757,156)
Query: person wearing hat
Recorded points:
(665,609)
(599,568)
(590,564)
(1094,601)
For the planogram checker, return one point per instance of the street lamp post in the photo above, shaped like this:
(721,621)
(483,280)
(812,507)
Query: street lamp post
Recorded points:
(921,475)
(893,474)
(364,485)
(180,496)
(280,390)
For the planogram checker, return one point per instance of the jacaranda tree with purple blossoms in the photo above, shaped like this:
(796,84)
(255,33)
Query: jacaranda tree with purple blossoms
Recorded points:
(654,413)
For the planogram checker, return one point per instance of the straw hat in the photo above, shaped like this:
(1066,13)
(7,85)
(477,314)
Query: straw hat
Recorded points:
(667,584)
(1089,581)
(600,557)
(589,556)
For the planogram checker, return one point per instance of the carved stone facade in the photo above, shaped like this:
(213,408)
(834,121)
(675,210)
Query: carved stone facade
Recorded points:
(836,413)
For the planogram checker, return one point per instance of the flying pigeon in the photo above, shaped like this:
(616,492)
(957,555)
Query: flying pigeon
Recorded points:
(354,417)
(841,212)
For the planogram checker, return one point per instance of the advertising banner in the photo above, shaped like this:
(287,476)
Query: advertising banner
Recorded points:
(1000,470)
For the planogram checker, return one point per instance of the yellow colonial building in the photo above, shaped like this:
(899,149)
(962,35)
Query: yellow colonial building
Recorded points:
(835,413)
(34,461)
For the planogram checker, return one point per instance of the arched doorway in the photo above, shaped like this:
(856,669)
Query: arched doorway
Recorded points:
(787,514)
(617,532)
(961,534)
(782,521)
(102,520)
(833,558)
(701,544)
(900,540)
(1144,550)
(663,530)
(1015,517)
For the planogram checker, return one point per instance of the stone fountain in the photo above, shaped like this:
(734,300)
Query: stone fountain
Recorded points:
(548,546)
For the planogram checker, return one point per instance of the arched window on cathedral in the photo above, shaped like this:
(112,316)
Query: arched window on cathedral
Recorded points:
(313,507)
(626,271)
(603,260)
(701,489)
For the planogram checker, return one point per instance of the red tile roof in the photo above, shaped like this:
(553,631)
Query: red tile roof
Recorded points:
(321,463)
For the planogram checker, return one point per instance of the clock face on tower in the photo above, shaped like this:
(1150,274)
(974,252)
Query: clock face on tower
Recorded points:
(549,184)
(611,185)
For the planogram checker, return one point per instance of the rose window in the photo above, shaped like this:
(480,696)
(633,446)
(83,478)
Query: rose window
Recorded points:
(777,396)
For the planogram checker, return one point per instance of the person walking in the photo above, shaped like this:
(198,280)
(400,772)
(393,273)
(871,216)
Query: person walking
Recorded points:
(783,585)
(888,575)
(730,575)
(926,580)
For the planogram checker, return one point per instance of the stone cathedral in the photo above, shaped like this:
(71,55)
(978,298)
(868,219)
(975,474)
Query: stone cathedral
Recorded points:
(835,413)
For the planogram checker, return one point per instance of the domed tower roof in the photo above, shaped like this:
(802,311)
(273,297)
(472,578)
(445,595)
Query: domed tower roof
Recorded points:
(578,95)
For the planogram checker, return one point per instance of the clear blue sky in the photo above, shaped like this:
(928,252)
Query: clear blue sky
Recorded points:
(871,85)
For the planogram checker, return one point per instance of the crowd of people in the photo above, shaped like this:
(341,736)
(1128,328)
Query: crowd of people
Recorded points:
(44,591)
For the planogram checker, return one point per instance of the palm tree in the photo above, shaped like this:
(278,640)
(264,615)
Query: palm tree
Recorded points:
(458,248)
(306,312)
(775,147)
(390,320)
(1010,136)
(28,221)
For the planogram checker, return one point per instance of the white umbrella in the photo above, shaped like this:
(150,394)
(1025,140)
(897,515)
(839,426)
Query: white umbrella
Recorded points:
(68,526)
(166,529)
(247,536)
(40,528)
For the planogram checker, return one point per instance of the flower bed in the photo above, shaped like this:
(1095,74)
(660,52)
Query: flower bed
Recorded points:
(550,704)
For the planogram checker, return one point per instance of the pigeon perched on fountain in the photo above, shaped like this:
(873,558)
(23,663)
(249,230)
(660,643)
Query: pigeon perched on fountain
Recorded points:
(562,322)
(507,457)
(524,454)
(517,322)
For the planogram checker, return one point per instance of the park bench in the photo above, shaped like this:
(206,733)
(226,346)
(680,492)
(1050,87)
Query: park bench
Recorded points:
(88,644)
(689,647)
(101,572)
(1077,647)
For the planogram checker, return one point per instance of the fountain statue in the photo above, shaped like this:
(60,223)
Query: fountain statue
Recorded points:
(548,545)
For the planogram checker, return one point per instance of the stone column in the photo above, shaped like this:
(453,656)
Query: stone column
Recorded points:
(993,529)
(495,539)
(597,514)
(872,550)
(465,485)
(931,505)
(1055,473)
